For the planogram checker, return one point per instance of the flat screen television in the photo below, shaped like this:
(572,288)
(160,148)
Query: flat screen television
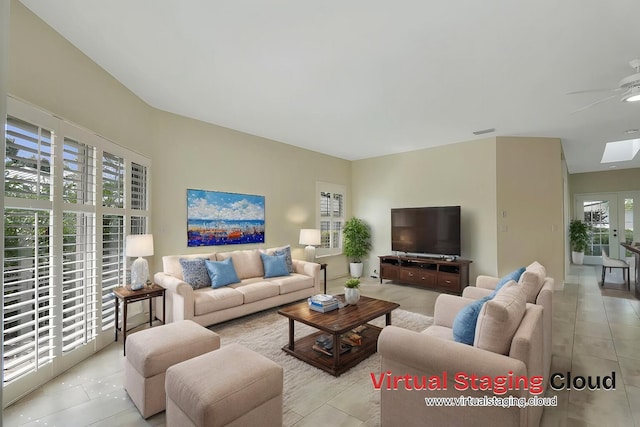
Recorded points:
(426,230)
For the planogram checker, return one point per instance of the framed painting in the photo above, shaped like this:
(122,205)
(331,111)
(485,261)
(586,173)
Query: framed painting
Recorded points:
(219,218)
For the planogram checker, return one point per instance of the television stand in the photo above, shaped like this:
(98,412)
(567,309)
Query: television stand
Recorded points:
(436,274)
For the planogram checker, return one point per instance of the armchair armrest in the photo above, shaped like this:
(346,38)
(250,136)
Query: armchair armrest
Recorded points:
(311,269)
(487,282)
(431,355)
(178,297)
(447,307)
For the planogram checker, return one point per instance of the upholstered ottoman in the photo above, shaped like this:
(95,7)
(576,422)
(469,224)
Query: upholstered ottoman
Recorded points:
(231,386)
(151,351)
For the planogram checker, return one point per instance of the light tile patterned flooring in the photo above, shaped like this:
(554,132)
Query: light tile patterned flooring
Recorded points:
(596,331)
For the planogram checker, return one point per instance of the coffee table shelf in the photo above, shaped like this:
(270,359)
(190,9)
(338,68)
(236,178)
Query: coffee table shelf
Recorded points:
(335,323)
(303,350)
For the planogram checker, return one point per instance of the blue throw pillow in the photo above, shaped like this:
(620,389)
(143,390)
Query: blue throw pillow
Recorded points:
(195,273)
(274,265)
(514,275)
(464,325)
(222,273)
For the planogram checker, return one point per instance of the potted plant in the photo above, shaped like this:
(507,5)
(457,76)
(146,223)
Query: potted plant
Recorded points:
(356,244)
(352,290)
(579,239)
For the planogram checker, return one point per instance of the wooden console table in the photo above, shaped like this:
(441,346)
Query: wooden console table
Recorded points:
(636,252)
(436,274)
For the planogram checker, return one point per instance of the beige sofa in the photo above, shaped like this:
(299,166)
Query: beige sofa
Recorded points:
(508,339)
(208,306)
(539,291)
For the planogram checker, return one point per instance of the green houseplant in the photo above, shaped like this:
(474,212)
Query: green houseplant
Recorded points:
(579,238)
(356,244)
(352,291)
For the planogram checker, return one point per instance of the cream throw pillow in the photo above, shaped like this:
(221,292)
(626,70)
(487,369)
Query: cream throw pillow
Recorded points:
(532,280)
(499,319)
(247,263)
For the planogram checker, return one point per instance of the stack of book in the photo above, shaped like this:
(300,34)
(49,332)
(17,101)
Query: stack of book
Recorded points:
(324,345)
(323,303)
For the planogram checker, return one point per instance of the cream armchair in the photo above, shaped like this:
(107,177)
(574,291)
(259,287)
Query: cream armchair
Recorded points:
(539,289)
(432,354)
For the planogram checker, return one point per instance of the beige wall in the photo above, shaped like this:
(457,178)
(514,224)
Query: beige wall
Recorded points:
(460,174)
(530,204)
(604,182)
(193,154)
(47,71)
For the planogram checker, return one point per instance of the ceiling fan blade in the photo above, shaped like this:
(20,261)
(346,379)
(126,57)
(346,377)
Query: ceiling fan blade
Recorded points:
(594,91)
(594,103)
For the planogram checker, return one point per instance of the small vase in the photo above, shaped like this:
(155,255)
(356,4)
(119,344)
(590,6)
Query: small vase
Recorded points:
(351,295)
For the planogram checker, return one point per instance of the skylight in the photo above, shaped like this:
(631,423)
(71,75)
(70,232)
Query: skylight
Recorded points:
(620,151)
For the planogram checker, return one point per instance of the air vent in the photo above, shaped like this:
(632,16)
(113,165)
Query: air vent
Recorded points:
(482,132)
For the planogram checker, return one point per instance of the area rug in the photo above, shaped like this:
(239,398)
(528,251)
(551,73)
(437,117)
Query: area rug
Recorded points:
(306,388)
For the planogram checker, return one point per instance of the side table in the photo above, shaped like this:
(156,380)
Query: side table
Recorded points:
(125,295)
(323,266)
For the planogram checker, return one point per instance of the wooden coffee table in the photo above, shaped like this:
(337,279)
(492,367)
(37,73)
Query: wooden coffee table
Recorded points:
(336,323)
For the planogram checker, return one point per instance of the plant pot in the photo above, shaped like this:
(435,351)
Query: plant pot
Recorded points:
(577,257)
(355,269)
(351,295)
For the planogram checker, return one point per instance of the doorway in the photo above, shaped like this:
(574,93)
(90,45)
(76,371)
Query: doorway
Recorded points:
(614,218)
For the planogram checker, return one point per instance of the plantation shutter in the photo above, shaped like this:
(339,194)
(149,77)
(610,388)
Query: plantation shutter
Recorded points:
(28,292)
(27,164)
(112,264)
(65,223)
(331,216)
(28,282)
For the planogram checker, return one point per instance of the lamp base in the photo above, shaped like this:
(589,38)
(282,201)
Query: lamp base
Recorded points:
(139,273)
(310,253)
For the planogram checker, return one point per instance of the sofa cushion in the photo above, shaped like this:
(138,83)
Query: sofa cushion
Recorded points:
(247,263)
(222,273)
(284,250)
(274,265)
(293,283)
(171,263)
(207,300)
(464,324)
(258,291)
(499,319)
(532,280)
(195,273)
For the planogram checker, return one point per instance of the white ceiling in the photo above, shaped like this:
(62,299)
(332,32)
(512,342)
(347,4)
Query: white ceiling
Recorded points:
(365,78)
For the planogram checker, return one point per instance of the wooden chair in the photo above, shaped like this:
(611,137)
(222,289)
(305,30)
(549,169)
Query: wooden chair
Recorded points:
(615,263)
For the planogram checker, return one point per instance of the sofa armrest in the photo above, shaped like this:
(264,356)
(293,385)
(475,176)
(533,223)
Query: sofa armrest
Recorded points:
(178,297)
(447,307)
(311,269)
(472,292)
(487,282)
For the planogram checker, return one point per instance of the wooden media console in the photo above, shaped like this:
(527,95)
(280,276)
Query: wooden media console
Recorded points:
(429,273)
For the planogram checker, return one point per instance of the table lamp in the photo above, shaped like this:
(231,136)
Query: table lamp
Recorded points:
(311,238)
(139,245)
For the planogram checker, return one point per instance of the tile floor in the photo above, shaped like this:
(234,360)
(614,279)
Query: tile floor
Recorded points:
(596,332)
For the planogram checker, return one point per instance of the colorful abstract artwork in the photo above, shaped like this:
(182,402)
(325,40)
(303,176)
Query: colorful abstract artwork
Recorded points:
(218,218)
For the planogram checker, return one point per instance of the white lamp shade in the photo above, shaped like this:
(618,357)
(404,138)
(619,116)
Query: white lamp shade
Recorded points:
(310,236)
(139,245)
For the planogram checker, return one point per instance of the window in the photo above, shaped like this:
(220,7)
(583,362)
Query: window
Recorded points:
(331,217)
(70,198)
